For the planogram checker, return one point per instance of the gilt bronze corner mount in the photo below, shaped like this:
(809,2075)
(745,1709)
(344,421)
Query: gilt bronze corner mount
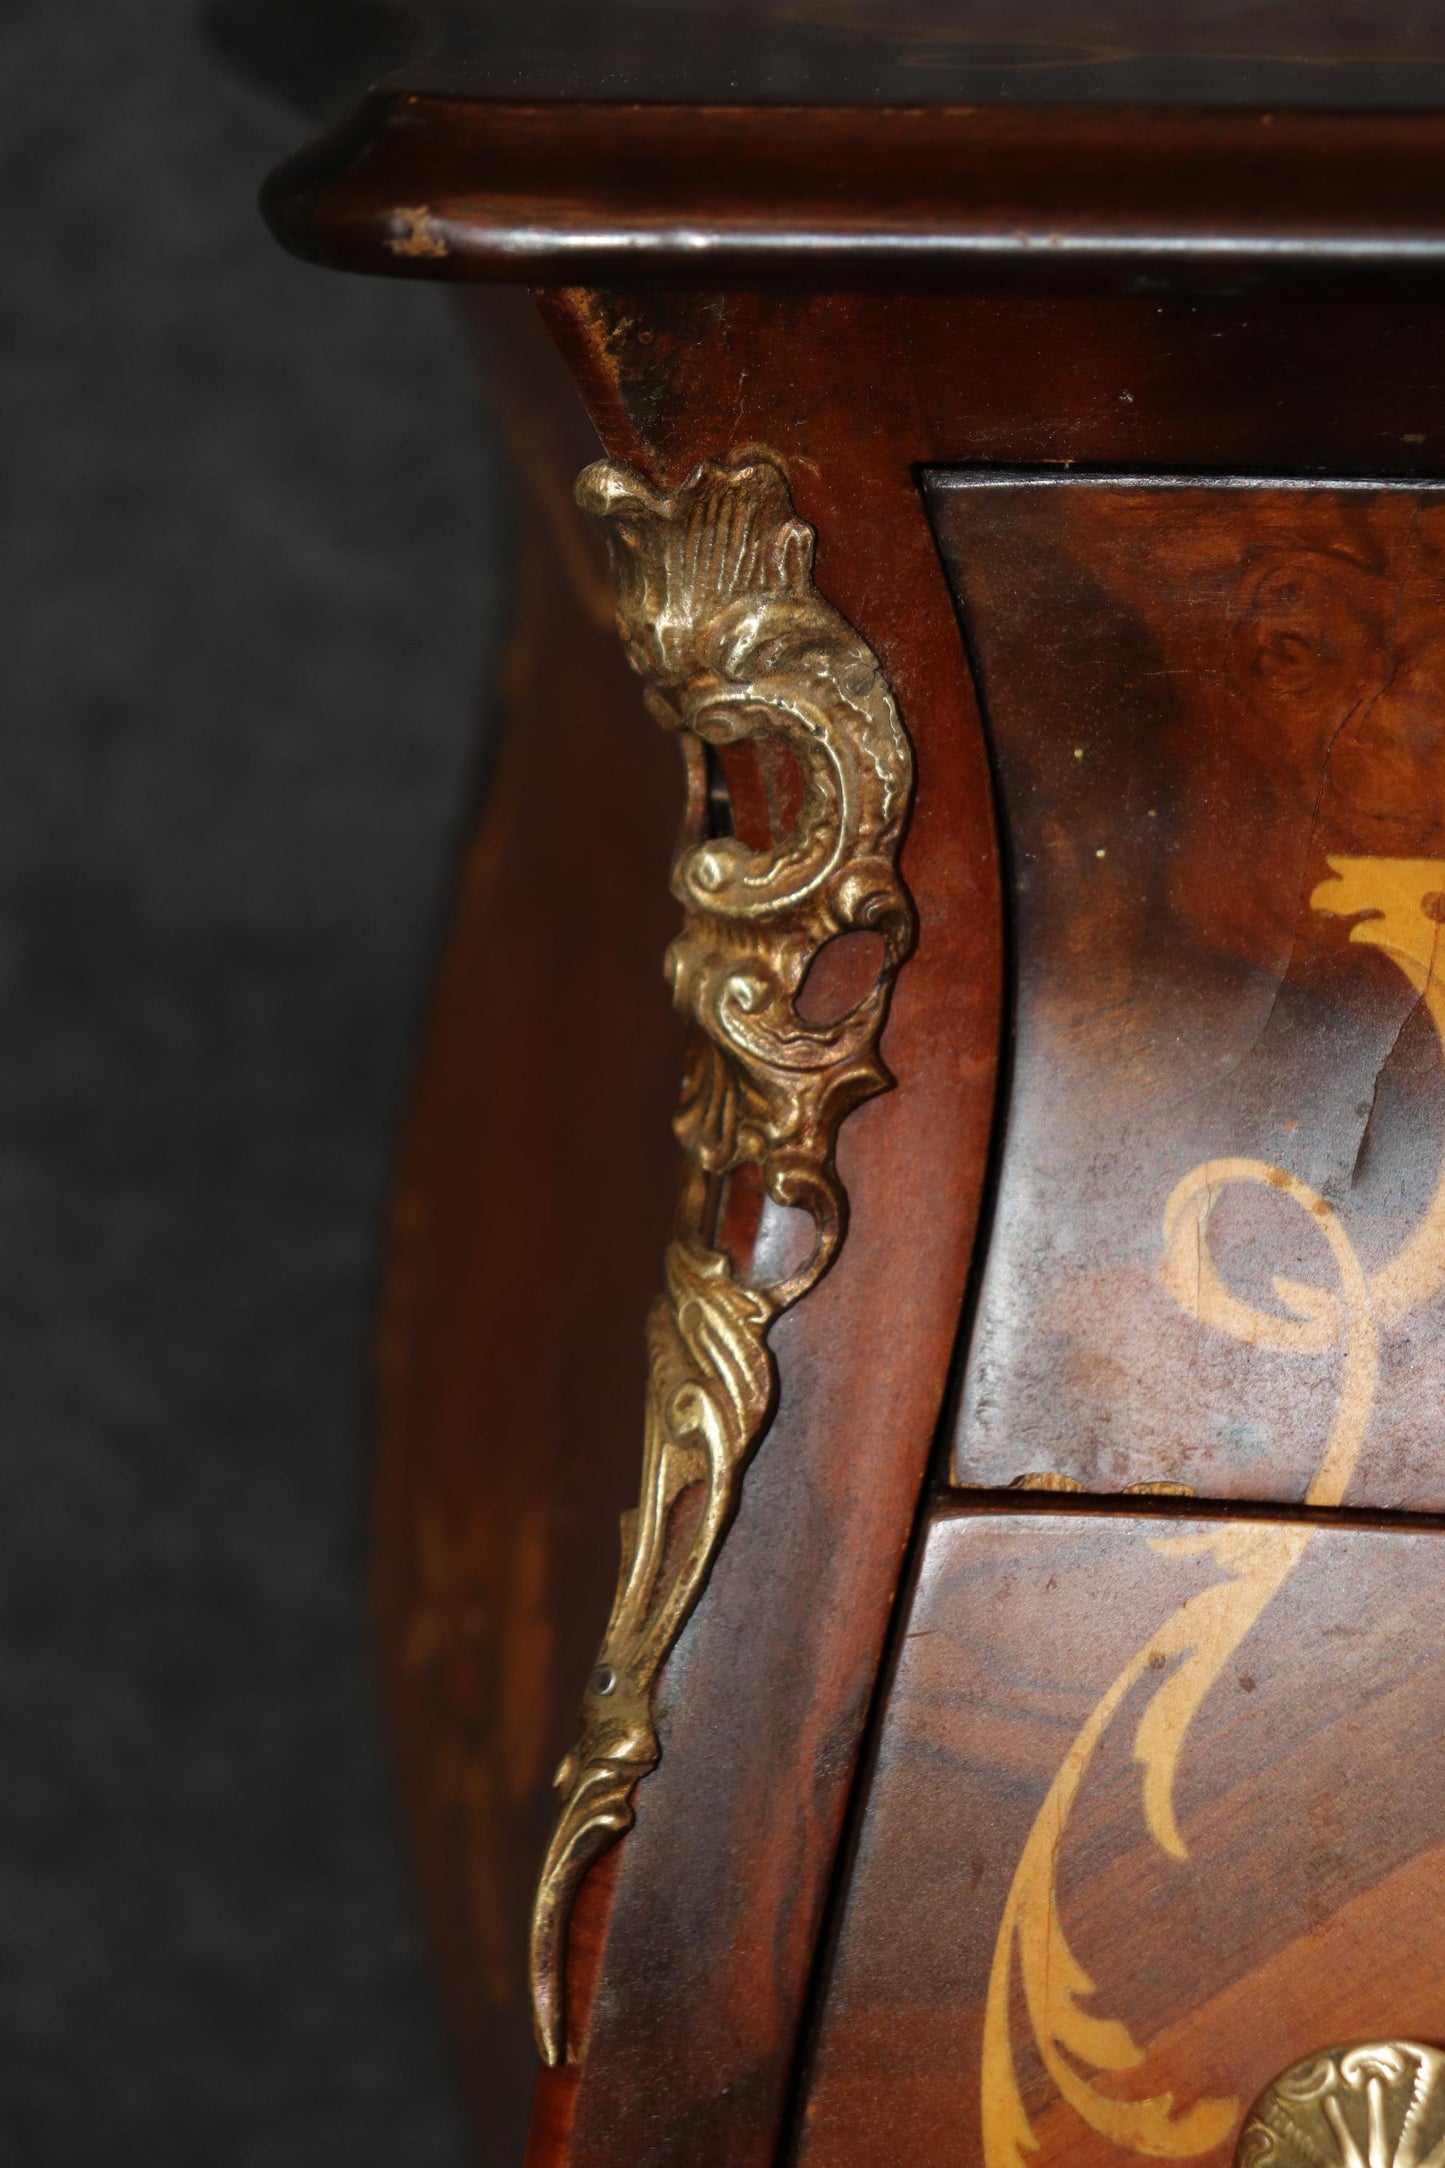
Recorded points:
(720,618)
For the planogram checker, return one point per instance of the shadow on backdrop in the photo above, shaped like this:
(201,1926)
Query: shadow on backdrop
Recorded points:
(252,554)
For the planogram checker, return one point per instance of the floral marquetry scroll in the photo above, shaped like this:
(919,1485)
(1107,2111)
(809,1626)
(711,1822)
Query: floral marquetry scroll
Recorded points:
(1218,720)
(1162,1774)
(738,653)
(1153,1815)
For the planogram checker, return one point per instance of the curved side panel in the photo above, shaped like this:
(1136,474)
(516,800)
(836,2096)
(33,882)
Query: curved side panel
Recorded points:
(531,1207)
(740,655)
(718,1891)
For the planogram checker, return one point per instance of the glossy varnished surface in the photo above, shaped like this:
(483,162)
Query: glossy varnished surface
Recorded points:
(697,1946)
(704,1967)
(719,1890)
(423,186)
(1247,1871)
(1218,717)
(532,1202)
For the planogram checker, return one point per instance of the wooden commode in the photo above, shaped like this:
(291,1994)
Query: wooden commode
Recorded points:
(997,1269)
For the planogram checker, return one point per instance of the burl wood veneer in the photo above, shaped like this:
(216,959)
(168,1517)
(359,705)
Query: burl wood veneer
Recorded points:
(1024,472)
(1218,720)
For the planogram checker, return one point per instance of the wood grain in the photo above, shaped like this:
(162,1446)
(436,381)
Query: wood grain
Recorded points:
(422,186)
(1219,719)
(720,1887)
(697,1951)
(1304,1912)
(532,1200)
(1313,53)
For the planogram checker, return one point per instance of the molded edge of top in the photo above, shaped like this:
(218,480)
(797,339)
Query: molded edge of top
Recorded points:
(1143,198)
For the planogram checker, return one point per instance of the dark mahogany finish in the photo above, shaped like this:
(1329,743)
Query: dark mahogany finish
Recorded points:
(1328,54)
(1219,725)
(532,1200)
(1021,367)
(459,188)
(1303,1908)
(720,1887)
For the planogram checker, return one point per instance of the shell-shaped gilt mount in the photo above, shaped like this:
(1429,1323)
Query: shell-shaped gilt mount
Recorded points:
(720,618)
(1377,2105)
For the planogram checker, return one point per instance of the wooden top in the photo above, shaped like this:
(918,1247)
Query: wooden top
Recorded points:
(1132,199)
(1320,53)
(1158,145)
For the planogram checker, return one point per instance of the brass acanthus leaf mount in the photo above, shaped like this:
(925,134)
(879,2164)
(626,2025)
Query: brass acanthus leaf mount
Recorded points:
(721,620)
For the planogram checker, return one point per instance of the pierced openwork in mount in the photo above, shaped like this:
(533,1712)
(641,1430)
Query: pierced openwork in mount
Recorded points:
(720,618)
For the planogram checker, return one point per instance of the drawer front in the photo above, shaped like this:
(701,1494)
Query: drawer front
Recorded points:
(1217,715)
(1156,1814)
(1153,1815)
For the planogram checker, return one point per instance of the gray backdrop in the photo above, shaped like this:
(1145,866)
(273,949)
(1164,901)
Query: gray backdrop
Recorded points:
(252,547)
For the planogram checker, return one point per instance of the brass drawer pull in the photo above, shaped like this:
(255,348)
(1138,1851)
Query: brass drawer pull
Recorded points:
(1379,2105)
